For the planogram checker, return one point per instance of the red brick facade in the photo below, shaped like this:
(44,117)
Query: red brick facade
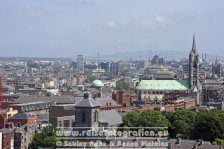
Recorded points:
(7,140)
(124,97)
(22,122)
(2,121)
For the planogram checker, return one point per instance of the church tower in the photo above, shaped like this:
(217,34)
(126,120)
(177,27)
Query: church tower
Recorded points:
(193,67)
(194,84)
(216,69)
(87,112)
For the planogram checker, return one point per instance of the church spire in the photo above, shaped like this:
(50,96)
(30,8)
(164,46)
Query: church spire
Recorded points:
(194,44)
(216,60)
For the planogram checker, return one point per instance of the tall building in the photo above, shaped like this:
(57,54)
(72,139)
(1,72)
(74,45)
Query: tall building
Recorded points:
(156,60)
(114,68)
(106,66)
(194,83)
(88,112)
(124,65)
(216,69)
(80,64)
(186,70)
(193,66)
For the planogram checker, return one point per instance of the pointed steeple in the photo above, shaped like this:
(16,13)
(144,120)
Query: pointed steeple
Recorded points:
(194,45)
(216,61)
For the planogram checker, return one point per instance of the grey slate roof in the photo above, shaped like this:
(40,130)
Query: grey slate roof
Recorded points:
(33,106)
(188,144)
(210,81)
(6,130)
(23,116)
(43,117)
(88,103)
(104,100)
(68,106)
(111,117)
(64,99)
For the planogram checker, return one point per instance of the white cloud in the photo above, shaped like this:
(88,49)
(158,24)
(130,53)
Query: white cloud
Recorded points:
(160,18)
(112,23)
(145,23)
(155,21)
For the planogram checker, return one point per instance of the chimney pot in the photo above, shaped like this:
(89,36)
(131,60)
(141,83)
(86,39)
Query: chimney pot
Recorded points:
(201,142)
(170,146)
(87,95)
(195,146)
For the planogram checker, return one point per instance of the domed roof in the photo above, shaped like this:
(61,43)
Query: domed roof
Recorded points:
(97,83)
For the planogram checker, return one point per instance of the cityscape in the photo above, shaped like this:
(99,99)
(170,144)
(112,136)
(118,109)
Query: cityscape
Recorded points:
(144,98)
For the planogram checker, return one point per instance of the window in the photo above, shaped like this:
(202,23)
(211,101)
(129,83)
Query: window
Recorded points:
(18,124)
(83,116)
(95,116)
(66,123)
(59,123)
(72,122)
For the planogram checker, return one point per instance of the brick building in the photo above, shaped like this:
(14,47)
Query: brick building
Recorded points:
(21,119)
(124,97)
(62,115)
(6,139)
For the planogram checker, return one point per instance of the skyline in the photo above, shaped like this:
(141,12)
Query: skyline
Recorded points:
(55,28)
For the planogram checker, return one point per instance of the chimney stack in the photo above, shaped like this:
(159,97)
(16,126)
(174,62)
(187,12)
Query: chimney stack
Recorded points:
(178,140)
(170,146)
(201,142)
(87,95)
(195,146)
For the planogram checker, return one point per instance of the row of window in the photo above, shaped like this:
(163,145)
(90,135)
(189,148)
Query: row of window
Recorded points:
(66,123)
(36,107)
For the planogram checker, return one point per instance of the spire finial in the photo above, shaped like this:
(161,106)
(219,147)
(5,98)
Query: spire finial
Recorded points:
(194,44)
(216,60)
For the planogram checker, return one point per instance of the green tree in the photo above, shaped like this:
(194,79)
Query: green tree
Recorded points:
(219,142)
(209,125)
(46,138)
(145,119)
(90,77)
(181,122)
(108,75)
(122,85)
(132,119)
(153,119)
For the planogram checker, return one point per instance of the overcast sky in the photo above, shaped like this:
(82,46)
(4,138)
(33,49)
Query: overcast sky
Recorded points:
(65,28)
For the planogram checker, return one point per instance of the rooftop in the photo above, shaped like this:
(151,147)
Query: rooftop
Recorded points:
(111,117)
(88,102)
(20,116)
(163,85)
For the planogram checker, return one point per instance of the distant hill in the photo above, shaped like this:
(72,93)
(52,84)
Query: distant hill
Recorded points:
(148,54)
(144,55)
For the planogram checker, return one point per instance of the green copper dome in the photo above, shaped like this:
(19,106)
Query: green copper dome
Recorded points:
(97,83)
